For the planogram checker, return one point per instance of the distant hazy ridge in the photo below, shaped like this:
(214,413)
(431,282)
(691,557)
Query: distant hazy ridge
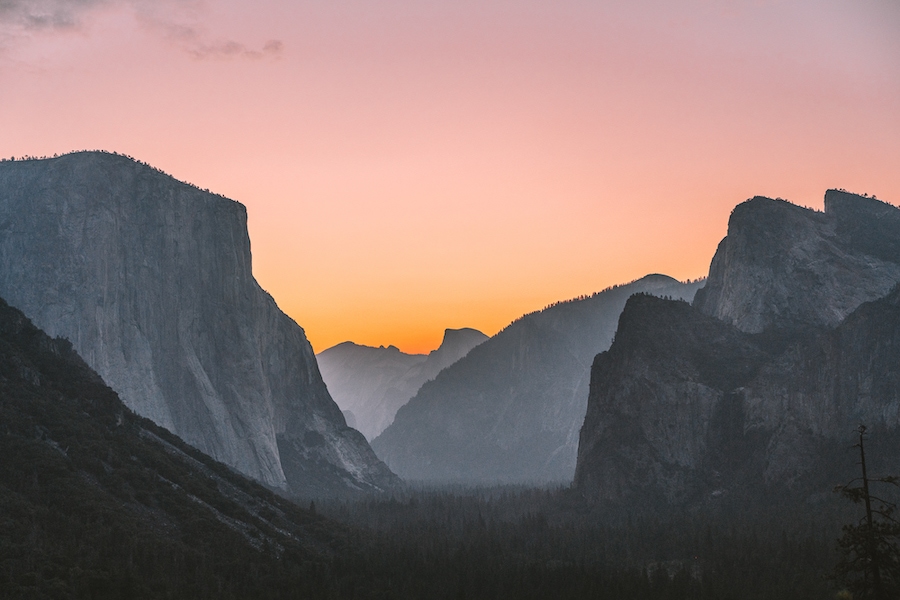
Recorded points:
(511,409)
(372,383)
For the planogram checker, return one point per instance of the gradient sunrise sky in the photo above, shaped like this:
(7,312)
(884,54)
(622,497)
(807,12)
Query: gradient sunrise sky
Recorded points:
(410,166)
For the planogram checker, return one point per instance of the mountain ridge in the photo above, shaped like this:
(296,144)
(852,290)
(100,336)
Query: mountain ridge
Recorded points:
(510,410)
(781,265)
(745,392)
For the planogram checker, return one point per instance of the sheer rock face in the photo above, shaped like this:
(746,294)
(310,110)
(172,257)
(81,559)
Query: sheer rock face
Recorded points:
(687,408)
(372,383)
(653,398)
(151,281)
(511,409)
(782,265)
(794,341)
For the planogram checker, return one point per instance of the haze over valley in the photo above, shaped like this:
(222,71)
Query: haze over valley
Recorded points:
(708,397)
(471,300)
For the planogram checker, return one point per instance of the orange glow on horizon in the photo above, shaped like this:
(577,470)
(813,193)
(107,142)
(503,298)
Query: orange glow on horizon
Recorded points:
(413,166)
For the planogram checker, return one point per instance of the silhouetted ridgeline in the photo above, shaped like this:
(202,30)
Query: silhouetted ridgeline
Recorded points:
(128,156)
(690,282)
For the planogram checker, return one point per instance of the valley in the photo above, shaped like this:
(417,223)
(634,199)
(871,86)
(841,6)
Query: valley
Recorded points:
(656,439)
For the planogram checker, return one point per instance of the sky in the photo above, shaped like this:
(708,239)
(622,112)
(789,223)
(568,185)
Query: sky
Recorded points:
(418,165)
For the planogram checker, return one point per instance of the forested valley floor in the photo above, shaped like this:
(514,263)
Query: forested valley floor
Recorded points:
(518,542)
(96,502)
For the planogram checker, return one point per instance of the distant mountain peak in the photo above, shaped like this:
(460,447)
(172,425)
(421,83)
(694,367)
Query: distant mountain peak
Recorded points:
(459,341)
(374,383)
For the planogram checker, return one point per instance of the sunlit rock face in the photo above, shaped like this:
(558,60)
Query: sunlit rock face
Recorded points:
(793,343)
(511,409)
(151,281)
(372,383)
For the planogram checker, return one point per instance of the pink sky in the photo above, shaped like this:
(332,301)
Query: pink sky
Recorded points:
(411,166)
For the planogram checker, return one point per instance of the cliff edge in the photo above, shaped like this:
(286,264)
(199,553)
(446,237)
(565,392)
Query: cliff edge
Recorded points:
(150,279)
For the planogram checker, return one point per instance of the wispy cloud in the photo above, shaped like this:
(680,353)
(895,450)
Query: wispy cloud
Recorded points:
(192,39)
(179,22)
(230,49)
(45,14)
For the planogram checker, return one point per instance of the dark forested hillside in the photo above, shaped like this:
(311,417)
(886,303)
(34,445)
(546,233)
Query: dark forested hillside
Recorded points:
(541,543)
(97,502)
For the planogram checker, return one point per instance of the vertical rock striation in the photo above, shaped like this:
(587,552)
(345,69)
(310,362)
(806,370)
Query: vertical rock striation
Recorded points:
(662,404)
(150,279)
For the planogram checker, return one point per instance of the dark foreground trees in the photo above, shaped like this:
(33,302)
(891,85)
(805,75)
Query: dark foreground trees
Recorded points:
(870,557)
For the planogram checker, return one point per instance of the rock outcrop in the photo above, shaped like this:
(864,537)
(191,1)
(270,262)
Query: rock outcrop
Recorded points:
(785,266)
(372,383)
(151,281)
(685,408)
(759,385)
(511,409)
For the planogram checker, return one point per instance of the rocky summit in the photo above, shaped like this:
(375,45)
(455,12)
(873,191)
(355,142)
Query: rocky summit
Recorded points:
(150,279)
(370,384)
(759,386)
(785,266)
(511,409)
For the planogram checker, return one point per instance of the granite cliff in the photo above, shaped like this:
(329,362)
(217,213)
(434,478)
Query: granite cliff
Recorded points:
(150,279)
(759,385)
(511,409)
(785,266)
(372,383)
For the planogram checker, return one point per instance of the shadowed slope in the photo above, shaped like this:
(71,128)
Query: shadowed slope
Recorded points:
(98,502)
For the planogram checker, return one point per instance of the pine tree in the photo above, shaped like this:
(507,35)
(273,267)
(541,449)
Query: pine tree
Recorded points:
(870,556)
